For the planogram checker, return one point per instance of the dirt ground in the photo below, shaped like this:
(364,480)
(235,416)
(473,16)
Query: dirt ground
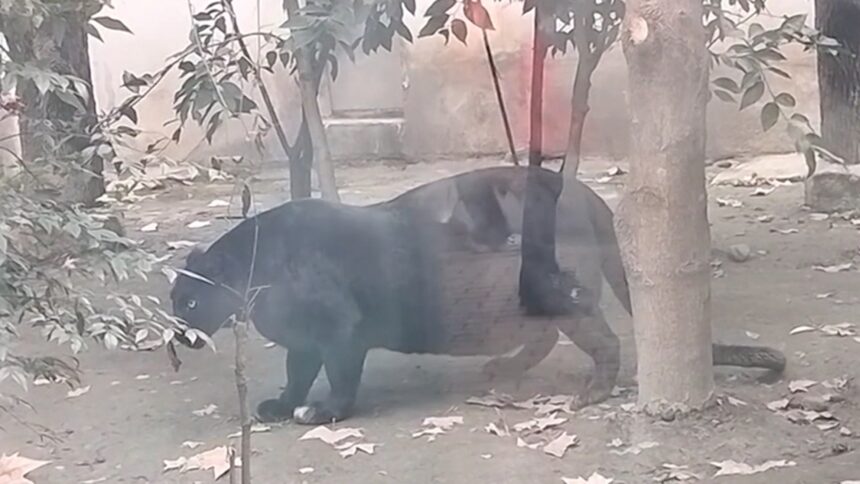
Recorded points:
(138,412)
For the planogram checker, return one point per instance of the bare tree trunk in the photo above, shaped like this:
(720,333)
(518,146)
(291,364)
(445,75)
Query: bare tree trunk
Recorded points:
(51,131)
(539,49)
(309,86)
(585,65)
(839,77)
(662,220)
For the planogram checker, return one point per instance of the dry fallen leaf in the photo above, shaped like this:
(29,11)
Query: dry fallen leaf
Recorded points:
(841,329)
(594,478)
(834,268)
(762,191)
(615,444)
(672,472)
(431,433)
(825,295)
(492,400)
(218,203)
(445,423)
(778,405)
(523,444)
(736,402)
(180,244)
(838,383)
(190,444)
(732,468)
(77,392)
(217,459)
(199,224)
(494,429)
(353,448)
(255,429)
(729,202)
(751,335)
(151,227)
(785,231)
(797,386)
(801,329)
(635,449)
(828,426)
(142,377)
(306,470)
(14,468)
(845,432)
(332,437)
(560,444)
(207,410)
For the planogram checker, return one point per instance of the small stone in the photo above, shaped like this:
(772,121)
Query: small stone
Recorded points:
(739,252)
(668,415)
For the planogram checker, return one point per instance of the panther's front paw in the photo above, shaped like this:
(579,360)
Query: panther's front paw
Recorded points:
(318,414)
(274,410)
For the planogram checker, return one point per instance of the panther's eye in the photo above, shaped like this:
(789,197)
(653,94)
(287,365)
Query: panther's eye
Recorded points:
(191,304)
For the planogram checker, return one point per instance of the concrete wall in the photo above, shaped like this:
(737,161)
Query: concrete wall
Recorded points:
(448,104)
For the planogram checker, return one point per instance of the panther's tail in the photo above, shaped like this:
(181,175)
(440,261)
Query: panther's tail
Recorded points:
(613,269)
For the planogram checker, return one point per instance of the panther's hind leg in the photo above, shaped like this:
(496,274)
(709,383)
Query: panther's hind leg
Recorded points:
(532,352)
(593,335)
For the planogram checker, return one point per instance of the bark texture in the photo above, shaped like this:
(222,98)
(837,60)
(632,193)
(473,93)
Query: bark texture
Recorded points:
(52,133)
(839,77)
(662,220)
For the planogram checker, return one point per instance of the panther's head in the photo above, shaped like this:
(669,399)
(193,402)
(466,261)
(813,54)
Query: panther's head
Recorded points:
(201,298)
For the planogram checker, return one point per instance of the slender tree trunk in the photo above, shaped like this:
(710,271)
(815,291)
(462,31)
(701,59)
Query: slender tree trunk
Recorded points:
(585,65)
(539,49)
(839,77)
(309,86)
(662,220)
(500,98)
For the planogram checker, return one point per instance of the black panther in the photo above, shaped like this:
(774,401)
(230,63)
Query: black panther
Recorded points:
(335,281)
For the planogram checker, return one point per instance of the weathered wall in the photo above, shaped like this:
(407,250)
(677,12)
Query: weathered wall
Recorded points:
(448,101)
(451,108)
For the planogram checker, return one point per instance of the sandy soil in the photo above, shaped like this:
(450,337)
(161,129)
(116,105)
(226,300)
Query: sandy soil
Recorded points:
(125,426)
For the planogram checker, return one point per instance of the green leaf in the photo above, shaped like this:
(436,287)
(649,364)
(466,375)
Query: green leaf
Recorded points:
(410,6)
(728,84)
(786,99)
(478,15)
(130,113)
(271,58)
(458,28)
(724,96)
(111,24)
(439,7)
(769,115)
(779,72)
(752,95)
(755,29)
(93,32)
(433,25)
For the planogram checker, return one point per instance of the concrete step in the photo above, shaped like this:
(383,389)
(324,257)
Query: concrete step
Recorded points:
(377,138)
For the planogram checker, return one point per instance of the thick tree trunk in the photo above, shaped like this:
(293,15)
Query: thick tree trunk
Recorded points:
(839,77)
(86,182)
(662,220)
(52,132)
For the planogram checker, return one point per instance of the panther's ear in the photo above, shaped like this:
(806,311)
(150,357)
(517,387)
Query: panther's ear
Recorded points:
(194,258)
